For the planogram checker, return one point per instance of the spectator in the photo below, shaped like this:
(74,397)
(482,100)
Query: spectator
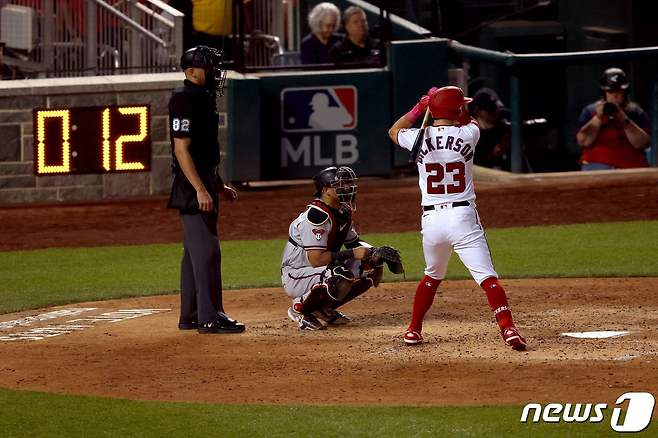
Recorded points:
(323,20)
(494,145)
(357,46)
(614,131)
(212,24)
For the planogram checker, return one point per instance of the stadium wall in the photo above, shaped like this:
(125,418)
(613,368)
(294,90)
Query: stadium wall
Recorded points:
(18,184)
(265,131)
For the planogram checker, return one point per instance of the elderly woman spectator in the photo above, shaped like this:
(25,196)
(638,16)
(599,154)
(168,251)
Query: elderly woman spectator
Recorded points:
(323,20)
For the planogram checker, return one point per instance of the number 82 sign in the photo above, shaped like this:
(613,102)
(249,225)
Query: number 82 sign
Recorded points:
(92,140)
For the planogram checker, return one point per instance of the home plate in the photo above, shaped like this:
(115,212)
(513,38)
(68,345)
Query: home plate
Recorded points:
(596,335)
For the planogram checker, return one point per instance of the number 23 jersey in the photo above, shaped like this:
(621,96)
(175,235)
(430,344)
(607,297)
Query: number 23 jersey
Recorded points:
(445,162)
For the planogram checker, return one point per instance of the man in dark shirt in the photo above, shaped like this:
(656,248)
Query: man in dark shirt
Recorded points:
(195,149)
(357,47)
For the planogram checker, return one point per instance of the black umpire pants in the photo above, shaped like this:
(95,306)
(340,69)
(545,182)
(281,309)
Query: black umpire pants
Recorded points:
(201,275)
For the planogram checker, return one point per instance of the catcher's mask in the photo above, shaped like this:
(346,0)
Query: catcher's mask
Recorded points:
(343,179)
(212,61)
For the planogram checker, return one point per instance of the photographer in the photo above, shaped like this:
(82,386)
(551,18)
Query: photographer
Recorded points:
(493,149)
(613,131)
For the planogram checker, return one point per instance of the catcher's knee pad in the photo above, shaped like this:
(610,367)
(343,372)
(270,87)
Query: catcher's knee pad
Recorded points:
(339,281)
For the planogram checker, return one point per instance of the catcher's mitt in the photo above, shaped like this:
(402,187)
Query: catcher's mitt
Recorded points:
(388,255)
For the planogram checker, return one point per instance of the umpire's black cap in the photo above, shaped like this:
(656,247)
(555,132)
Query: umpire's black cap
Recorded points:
(198,57)
(211,60)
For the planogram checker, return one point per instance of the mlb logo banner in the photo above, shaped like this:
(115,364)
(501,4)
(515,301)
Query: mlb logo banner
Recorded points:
(311,109)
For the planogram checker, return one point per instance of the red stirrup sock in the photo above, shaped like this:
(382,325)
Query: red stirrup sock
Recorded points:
(498,302)
(425,292)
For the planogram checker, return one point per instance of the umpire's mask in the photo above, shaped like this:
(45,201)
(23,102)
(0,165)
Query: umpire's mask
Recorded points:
(345,184)
(212,61)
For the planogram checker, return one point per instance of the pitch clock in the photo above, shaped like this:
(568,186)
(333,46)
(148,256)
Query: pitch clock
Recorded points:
(102,139)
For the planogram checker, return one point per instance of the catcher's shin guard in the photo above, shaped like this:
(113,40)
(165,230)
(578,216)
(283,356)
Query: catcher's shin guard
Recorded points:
(359,287)
(316,299)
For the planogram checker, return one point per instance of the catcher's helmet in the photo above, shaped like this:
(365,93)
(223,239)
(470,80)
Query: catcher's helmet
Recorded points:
(343,179)
(614,78)
(446,103)
(212,61)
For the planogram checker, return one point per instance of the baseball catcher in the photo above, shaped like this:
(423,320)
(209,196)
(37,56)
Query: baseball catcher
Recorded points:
(316,272)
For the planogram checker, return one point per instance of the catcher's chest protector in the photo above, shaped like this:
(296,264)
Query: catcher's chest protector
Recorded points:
(340,226)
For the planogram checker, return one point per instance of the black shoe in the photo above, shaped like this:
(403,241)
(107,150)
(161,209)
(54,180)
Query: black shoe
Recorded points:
(187,326)
(334,317)
(308,322)
(223,324)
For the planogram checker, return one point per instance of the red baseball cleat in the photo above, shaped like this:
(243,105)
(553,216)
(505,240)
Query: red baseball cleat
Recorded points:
(513,338)
(411,337)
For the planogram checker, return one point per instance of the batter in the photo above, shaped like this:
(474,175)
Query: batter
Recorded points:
(450,221)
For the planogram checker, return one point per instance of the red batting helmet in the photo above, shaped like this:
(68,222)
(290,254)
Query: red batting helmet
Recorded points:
(446,102)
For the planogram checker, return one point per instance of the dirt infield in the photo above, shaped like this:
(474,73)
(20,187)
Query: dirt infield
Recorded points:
(384,205)
(132,348)
(464,361)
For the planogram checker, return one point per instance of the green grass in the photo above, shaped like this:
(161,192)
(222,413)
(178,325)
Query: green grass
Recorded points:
(33,279)
(25,413)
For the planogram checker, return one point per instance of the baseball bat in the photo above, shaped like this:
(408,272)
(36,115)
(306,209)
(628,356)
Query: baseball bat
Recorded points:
(419,137)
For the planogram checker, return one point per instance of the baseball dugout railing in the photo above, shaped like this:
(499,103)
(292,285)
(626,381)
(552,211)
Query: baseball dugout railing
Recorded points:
(515,63)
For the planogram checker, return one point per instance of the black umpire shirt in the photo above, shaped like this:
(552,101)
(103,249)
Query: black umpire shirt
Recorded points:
(193,115)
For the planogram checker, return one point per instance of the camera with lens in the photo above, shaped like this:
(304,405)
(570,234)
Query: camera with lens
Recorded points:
(609,109)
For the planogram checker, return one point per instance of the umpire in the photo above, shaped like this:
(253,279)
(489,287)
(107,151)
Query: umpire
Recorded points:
(195,149)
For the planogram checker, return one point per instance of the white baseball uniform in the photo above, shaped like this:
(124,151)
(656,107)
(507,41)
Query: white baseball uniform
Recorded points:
(450,220)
